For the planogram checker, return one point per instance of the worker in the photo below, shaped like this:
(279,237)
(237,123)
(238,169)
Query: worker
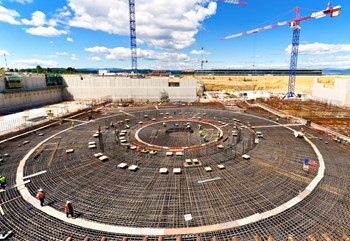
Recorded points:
(164,124)
(68,209)
(277,119)
(218,133)
(201,132)
(138,149)
(41,196)
(200,127)
(3,182)
(127,126)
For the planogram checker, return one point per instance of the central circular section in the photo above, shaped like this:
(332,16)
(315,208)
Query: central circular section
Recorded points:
(178,133)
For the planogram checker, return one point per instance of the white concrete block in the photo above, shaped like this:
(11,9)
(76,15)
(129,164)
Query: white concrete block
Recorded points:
(133,168)
(103,158)
(246,157)
(122,165)
(69,151)
(92,146)
(221,166)
(98,154)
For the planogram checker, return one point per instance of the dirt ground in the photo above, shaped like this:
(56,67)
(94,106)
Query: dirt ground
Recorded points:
(275,84)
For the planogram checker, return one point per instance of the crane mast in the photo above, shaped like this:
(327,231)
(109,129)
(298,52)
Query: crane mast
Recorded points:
(6,67)
(294,55)
(133,36)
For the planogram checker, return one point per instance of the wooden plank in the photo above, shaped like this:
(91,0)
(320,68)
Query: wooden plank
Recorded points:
(53,154)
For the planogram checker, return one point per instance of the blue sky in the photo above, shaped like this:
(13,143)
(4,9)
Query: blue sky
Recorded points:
(170,34)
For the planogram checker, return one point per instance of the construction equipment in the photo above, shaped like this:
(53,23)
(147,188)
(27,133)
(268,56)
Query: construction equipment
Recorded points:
(203,60)
(133,36)
(6,67)
(295,25)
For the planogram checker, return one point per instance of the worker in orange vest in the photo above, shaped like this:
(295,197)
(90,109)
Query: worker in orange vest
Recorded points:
(68,209)
(41,196)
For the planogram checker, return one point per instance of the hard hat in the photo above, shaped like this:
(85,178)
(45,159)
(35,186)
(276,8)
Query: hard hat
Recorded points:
(40,190)
(68,201)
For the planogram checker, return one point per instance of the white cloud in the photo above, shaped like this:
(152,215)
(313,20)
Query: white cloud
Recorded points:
(38,19)
(164,24)
(22,1)
(9,16)
(49,31)
(121,53)
(333,61)
(31,63)
(199,52)
(2,52)
(51,42)
(74,57)
(95,58)
(320,48)
(98,50)
(70,40)
(61,53)
(63,12)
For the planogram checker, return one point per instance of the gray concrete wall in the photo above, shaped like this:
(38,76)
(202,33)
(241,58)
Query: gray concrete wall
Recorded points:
(13,102)
(32,81)
(92,87)
(33,94)
(89,87)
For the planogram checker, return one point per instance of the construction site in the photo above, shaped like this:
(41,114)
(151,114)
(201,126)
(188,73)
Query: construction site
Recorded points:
(175,172)
(159,158)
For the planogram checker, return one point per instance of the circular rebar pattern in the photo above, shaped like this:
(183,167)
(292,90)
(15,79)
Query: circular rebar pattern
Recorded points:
(177,134)
(145,198)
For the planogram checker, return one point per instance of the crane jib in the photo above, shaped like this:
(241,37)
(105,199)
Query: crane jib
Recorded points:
(333,11)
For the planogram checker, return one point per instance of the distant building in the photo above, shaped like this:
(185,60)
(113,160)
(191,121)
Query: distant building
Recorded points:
(316,72)
(159,73)
(338,95)
(105,72)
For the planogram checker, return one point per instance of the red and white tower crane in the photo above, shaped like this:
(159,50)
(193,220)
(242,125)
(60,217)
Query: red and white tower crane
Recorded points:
(295,25)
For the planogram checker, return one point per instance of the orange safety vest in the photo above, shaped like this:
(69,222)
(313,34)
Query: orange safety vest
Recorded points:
(40,195)
(66,208)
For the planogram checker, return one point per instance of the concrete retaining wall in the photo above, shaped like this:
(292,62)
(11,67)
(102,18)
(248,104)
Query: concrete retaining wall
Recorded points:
(339,95)
(91,87)
(17,101)
(123,89)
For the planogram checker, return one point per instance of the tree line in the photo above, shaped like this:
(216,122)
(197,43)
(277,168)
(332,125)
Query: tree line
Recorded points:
(39,70)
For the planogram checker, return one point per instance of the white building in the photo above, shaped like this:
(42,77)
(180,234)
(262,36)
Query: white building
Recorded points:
(338,95)
(105,72)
